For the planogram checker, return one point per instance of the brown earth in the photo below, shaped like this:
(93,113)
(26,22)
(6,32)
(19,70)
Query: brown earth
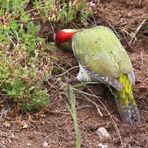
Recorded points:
(52,127)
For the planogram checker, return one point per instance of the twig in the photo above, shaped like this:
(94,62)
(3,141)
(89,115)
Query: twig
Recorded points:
(97,106)
(17,37)
(11,40)
(139,2)
(85,106)
(2,145)
(68,71)
(125,38)
(137,30)
(87,94)
(52,26)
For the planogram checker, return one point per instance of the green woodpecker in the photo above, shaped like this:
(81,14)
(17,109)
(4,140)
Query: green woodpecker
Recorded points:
(101,57)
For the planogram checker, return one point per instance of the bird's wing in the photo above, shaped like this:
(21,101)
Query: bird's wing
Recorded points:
(100,50)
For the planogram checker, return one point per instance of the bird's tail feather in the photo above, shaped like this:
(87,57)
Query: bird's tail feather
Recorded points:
(126,103)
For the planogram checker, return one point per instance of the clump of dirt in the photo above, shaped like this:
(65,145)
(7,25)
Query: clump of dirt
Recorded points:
(53,126)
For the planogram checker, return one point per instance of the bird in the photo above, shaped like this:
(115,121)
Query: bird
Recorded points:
(102,57)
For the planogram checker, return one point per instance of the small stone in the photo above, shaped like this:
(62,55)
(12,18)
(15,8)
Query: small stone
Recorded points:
(45,144)
(103,134)
(29,144)
(102,145)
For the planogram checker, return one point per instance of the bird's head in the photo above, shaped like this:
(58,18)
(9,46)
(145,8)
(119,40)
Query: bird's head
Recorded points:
(63,38)
(64,35)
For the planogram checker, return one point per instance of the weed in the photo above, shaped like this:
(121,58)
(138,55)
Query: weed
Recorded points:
(22,69)
(72,101)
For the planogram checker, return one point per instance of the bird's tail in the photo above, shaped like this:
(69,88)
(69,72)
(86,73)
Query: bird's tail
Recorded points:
(126,103)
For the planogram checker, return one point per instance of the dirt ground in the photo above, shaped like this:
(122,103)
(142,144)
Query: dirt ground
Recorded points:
(52,127)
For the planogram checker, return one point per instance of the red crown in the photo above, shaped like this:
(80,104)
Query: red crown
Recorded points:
(62,36)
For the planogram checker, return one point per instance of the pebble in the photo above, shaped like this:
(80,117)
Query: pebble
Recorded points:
(29,144)
(103,134)
(102,145)
(45,144)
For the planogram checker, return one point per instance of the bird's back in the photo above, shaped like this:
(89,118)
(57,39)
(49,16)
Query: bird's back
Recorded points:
(100,50)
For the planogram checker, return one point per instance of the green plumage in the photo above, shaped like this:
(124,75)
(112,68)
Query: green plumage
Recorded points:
(101,52)
(99,49)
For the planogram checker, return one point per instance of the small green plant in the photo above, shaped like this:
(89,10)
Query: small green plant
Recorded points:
(72,101)
(62,11)
(24,63)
